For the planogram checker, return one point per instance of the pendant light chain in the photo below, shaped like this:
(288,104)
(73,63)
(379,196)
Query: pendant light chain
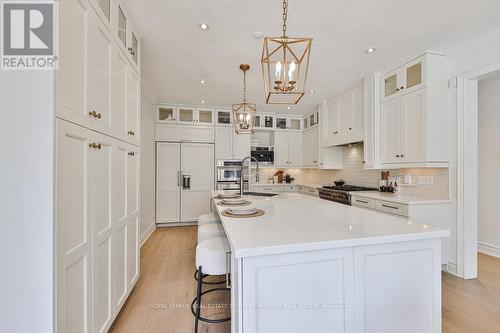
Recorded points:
(244,86)
(285,16)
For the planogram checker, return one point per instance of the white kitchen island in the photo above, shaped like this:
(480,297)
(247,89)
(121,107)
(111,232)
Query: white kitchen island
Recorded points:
(310,265)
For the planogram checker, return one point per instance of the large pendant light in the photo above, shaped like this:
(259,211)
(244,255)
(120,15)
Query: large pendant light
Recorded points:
(285,63)
(244,112)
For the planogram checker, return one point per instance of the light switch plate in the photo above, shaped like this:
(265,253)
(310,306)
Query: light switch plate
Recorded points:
(425,180)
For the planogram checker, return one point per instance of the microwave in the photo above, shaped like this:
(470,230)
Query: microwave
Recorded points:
(263,154)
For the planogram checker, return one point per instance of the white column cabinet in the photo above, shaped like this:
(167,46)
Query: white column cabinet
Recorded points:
(96,200)
(241,145)
(288,149)
(391,139)
(229,145)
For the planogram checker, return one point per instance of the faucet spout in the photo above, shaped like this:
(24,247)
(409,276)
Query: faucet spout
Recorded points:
(242,190)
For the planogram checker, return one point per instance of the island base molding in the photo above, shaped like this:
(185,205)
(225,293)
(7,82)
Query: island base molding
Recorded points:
(384,288)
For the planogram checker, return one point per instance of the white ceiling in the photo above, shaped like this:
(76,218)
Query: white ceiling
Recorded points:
(177,54)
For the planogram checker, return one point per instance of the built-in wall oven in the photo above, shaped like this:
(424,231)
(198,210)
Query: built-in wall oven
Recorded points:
(229,175)
(265,155)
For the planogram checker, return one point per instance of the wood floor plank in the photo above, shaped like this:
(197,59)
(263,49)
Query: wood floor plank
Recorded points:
(160,302)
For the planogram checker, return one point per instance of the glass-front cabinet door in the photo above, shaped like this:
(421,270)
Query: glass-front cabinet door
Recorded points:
(414,75)
(105,6)
(122,25)
(281,122)
(134,47)
(186,115)
(258,120)
(305,122)
(223,117)
(166,114)
(268,121)
(391,84)
(295,123)
(205,116)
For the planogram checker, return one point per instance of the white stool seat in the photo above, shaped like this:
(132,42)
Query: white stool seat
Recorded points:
(207,219)
(211,255)
(210,231)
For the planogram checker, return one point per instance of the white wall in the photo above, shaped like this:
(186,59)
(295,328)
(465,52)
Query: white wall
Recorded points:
(147,192)
(477,54)
(26,201)
(489,165)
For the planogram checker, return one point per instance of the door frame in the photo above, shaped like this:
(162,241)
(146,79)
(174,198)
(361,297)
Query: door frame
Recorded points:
(467,168)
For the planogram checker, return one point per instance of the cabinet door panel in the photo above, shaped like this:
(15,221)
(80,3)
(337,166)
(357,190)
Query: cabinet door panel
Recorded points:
(241,145)
(280,148)
(223,143)
(73,231)
(99,73)
(390,132)
(195,199)
(413,125)
(314,146)
(333,119)
(119,93)
(345,113)
(132,252)
(70,76)
(357,110)
(295,148)
(167,182)
(132,181)
(133,106)
(102,234)
(119,217)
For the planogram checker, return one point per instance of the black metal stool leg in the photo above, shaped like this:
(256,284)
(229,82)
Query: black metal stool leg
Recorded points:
(198,301)
(205,282)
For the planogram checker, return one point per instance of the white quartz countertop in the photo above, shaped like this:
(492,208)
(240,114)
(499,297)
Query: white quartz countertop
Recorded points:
(295,222)
(407,199)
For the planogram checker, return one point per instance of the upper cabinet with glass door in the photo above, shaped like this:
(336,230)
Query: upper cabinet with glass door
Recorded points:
(127,36)
(166,114)
(410,77)
(223,118)
(104,11)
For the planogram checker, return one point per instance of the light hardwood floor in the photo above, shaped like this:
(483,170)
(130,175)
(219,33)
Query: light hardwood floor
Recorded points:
(167,268)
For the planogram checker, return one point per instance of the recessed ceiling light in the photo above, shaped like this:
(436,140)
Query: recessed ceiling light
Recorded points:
(202,81)
(204,26)
(202,102)
(312,91)
(288,108)
(370,50)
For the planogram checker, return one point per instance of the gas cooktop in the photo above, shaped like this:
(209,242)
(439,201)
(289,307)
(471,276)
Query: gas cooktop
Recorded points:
(341,193)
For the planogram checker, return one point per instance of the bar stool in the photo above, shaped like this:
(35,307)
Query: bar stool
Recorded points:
(211,256)
(207,219)
(210,231)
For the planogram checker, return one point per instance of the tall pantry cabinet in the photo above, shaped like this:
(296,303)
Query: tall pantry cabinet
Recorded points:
(97,168)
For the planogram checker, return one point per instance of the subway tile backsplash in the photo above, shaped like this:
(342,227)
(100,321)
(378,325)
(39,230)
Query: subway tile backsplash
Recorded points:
(354,173)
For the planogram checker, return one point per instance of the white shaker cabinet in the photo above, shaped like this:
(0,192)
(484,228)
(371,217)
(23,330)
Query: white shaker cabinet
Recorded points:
(96,179)
(414,120)
(288,149)
(229,145)
(133,107)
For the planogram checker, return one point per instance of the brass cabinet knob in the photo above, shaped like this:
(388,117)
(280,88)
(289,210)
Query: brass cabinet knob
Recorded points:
(98,115)
(131,132)
(397,156)
(402,155)
(131,153)
(95,145)
(95,114)
(402,88)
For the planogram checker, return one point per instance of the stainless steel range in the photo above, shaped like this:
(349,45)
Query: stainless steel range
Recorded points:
(341,194)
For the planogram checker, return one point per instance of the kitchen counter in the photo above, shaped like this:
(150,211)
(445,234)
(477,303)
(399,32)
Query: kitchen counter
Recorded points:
(310,185)
(402,198)
(296,222)
(332,268)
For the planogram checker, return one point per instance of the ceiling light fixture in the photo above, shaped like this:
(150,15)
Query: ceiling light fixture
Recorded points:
(370,50)
(288,108)
(204,26)
(285,63)
(202,102)
(312,91)
(202,81)
(244,112)
(258,34)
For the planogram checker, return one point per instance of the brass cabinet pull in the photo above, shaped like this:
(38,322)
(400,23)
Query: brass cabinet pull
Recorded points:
(131,153)
(95,114)
(131,132)
(387,206)
(131,50)
(95,145)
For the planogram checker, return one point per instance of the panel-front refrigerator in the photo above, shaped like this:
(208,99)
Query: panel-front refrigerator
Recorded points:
(184,178)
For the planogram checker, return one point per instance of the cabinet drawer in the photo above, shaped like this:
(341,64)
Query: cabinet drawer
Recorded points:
(269,189)
(363,202)
(392,208)
(311,191)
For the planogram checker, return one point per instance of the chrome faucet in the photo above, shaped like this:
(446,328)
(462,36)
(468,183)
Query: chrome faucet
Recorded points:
(256,172)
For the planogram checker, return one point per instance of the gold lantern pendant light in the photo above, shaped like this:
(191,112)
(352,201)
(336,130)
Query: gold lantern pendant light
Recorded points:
(285,63)
(244,112)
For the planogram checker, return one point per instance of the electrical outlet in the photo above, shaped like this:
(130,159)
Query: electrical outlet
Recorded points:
(425,180)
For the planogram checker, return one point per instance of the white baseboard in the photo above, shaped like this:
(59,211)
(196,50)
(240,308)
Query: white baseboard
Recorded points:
(489,249)
(145,235)
(452,268)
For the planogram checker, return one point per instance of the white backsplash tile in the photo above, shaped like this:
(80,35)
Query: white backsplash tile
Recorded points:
(354,173)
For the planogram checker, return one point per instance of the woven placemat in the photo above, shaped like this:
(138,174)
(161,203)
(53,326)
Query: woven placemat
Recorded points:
(220,197)
(258,213)
(246,203)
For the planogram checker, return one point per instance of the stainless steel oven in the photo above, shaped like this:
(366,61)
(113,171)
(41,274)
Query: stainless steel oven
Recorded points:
(264,155)
(229,175)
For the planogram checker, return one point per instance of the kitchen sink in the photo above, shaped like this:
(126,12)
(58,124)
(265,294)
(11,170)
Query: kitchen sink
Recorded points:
(260,194)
